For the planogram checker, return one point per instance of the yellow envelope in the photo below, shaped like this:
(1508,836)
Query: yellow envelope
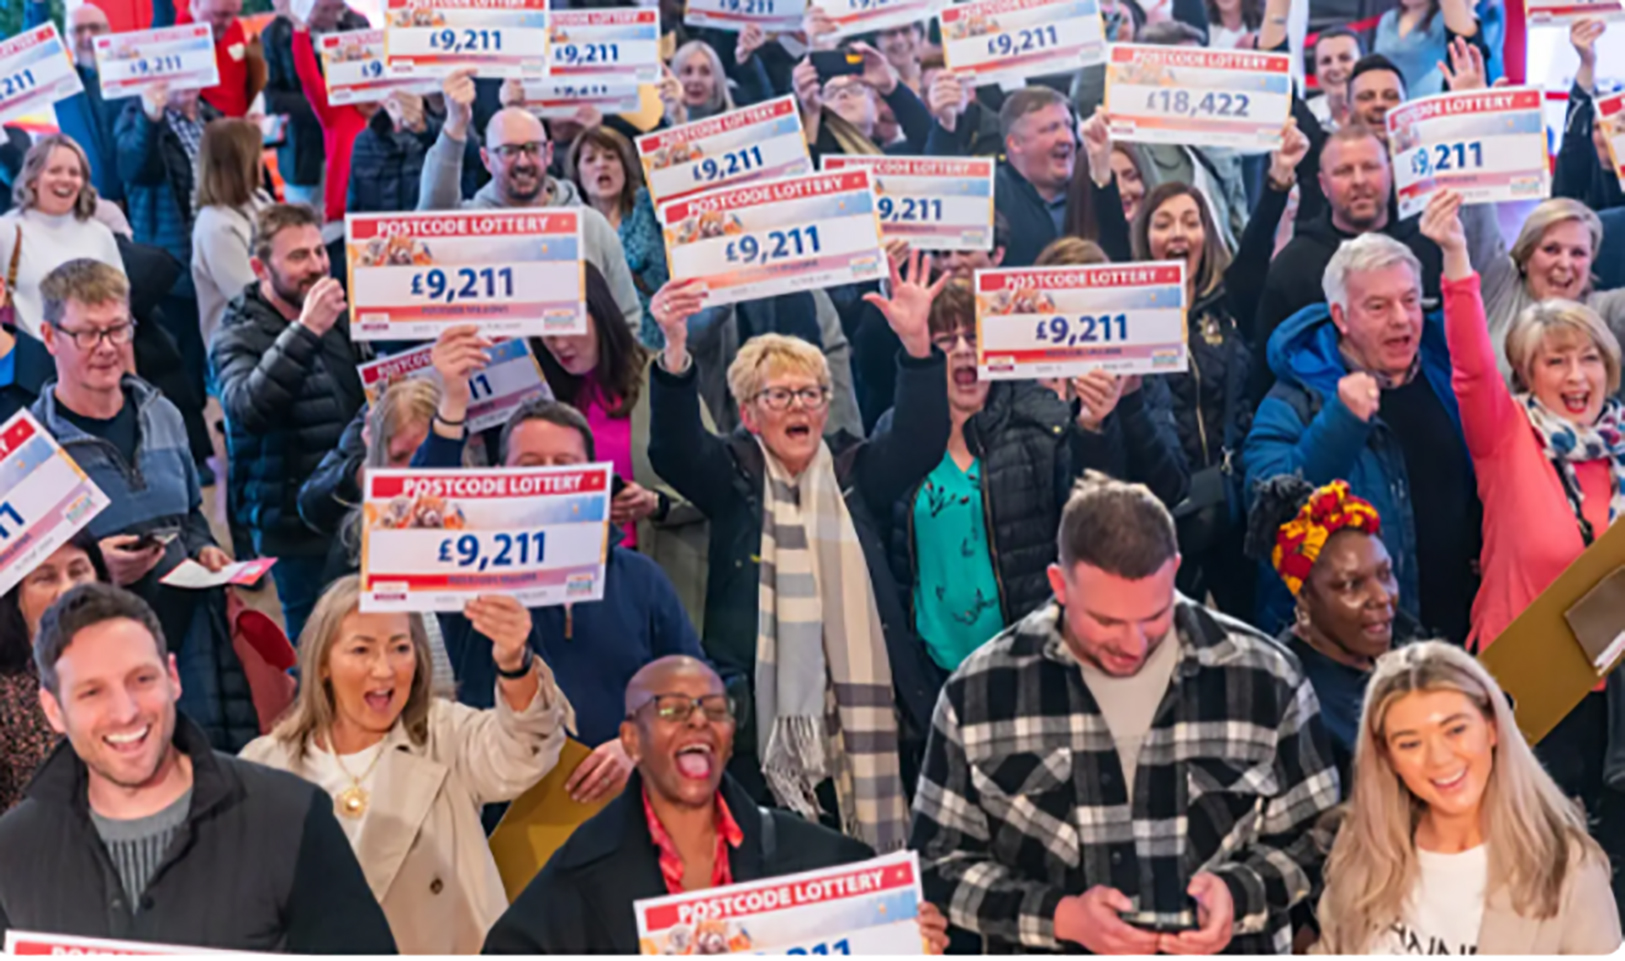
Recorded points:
(540,821)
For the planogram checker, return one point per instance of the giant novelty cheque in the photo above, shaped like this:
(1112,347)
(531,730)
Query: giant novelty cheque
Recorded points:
(353,63)
(436,38)
(1036,322)
(611,44)
(179,58)
(562,99)
(773,16)
(1007,41)
(432,540)
(759,142)
(1489,145)
(36,71)
(853,18)
(934,203)
(870,907)
(764,239)
(1568,11)
(44,497)
(1194,96)
(511,272)
(510,377)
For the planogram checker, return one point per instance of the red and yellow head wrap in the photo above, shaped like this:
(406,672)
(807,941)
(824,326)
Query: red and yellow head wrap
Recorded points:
(1300,540)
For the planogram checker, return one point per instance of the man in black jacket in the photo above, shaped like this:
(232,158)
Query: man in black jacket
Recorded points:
(135,829)
(670,821)
(301,156)
(1040,142)
(288,385)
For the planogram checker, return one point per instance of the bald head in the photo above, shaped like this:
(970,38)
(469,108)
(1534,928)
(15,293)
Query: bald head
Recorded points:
(87,22)
(665,674)
(517,153)
(682,742)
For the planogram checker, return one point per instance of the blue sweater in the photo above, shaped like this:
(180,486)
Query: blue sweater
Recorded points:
(593,648)
(86,117)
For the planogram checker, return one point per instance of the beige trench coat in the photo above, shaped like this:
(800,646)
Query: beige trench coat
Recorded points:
(422,846)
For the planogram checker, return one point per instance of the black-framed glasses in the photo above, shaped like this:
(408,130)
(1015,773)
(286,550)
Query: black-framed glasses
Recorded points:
(947,342)
(118,335)
(780,398)
(533,149)
(678,708)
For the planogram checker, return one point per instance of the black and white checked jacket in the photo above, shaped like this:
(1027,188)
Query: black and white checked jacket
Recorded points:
(1022,802)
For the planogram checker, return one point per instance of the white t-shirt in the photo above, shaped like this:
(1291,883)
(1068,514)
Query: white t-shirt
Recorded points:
(323,770)
(1129,704)
(1446,908)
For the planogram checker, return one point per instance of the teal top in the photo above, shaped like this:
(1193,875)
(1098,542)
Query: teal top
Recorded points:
(956,597)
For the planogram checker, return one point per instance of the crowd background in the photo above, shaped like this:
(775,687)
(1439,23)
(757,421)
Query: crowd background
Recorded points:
(888,603)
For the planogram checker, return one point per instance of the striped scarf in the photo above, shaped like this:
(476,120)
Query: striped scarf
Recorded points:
(824,703)
(1567,444)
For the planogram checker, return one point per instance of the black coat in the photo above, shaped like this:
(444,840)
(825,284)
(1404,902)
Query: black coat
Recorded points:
(300,157)
(260,864)
(724,478)
(581,902)
(287,397)
(1031,226)
(1032,451)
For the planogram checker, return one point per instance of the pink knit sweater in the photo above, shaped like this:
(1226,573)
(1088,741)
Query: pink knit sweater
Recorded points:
(1530,533)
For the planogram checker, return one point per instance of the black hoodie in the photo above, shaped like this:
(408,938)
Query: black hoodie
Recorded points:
(1296,273)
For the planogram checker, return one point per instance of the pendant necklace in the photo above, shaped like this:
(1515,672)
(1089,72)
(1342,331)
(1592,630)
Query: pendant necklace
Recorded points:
(352,801)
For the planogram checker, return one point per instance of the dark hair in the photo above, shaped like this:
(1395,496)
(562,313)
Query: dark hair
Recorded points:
(16,648)
(275,219)
(1001,231)
(1117,527)
(1171,33)
(1333,33)
(1252,13)
(1080,219)
(84,607)
(621,359)
(615,142)
(1215,256)
(953,309)
(1276,500)
(1372,62)
(537,407)
(1025,101)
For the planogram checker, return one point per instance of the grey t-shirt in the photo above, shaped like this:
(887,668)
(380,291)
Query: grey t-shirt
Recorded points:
(1129,704)
(137,846)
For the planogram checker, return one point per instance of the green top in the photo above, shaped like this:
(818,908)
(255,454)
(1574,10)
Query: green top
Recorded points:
(956,596)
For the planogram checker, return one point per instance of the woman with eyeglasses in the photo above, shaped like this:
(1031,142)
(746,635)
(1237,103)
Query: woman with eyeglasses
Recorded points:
(971,542)
(800,604)
(409,771)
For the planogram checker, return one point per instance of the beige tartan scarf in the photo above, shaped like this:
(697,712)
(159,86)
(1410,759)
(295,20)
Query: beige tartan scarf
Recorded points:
(824,702)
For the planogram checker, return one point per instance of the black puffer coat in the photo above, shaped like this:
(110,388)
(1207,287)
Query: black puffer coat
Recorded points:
(288,397)
(1032,451)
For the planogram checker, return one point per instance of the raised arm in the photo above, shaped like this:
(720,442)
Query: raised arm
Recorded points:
(1244,278)
(694,461)
(440,185)
(310,77)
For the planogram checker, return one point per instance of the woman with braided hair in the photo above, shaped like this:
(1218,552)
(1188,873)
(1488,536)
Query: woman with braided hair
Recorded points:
(1325,544)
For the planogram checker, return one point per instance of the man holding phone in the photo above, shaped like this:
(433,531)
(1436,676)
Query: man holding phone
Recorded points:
(1124,769)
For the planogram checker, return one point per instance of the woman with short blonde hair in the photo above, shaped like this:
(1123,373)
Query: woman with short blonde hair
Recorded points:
(1454,839)
(767,356)
(408,771)
(53,222)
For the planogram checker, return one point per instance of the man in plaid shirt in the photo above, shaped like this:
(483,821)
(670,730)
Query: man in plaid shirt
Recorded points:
(1126,771)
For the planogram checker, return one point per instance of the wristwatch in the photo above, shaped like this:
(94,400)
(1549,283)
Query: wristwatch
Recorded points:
(525,665)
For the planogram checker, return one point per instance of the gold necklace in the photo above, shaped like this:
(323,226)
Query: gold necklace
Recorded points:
(352,801)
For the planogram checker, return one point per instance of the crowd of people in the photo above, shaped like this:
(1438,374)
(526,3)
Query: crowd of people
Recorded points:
(1177,663)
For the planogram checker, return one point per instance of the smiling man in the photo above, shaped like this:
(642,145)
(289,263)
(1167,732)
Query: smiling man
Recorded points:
(1123,769)
(1363,394)
(1040,152)
(681,825)
(134,829)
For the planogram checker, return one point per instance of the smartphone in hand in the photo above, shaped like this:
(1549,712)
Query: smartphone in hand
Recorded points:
(836,63)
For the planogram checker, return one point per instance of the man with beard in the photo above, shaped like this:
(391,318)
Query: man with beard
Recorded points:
(517,152)
(1030,187)
(134,829)
(288,384)
(681,824)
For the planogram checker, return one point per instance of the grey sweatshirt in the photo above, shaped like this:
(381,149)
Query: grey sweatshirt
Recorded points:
(441,189)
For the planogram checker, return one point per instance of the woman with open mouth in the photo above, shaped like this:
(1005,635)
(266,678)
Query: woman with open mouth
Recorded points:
(1549,454)
(408,770)
(1456,841)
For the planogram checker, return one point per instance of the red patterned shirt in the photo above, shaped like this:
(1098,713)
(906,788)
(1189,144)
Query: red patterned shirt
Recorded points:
(671,863)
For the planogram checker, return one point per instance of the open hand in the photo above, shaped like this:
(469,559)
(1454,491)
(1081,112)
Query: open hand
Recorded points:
(908,310)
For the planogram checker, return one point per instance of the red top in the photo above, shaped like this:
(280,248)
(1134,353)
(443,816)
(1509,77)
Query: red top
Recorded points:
(230,95)
(340,126)
(671,863)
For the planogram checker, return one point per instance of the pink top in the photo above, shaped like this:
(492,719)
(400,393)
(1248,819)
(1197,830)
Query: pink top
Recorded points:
(612,437)
(1530,533)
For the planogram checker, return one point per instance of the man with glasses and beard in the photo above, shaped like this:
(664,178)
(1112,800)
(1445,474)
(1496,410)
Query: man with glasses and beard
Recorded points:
(518,153)
(681,824)
(288,384)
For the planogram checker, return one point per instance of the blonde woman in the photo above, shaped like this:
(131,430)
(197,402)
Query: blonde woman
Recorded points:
(228,199)
(409,771)
(1455,840)
(704,84)
(54,222)
(1551,260)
